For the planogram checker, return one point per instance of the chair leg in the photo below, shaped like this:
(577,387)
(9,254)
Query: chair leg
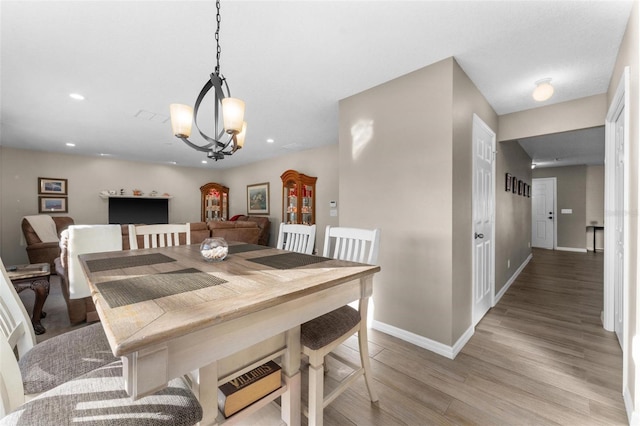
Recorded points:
(364,358)
(316,394)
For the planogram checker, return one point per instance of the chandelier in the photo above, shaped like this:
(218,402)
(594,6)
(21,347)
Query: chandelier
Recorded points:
(229,111)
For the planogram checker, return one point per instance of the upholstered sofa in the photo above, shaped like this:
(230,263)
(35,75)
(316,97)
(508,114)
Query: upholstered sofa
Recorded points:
(263,223)
(81,310)
(39,252)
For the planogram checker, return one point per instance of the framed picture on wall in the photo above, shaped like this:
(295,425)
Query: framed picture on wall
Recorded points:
(528,191)
(53,205)
(52,186)
(258,198)
(520,187)
(507,182)
(514,184)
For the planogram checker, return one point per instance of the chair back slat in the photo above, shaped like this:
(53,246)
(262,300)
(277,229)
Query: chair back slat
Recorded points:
(298,238)
(11,387)
(354,244)
(15,324)
(162,235)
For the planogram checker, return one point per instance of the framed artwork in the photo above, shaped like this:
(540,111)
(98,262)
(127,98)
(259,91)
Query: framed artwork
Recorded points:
(507,182)
(528,191)
(258,198)
(52,186)
(520,187)
(514,184)
(53,205)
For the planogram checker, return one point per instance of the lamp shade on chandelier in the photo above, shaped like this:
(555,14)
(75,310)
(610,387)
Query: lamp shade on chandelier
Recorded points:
(228,115)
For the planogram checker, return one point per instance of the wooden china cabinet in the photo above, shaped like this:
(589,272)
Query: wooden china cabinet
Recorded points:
(298,198)
(215,202)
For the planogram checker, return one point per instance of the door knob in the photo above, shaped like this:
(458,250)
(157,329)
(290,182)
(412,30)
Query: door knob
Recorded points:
(476,236)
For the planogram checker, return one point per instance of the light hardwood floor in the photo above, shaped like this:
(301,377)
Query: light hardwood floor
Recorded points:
(540,357)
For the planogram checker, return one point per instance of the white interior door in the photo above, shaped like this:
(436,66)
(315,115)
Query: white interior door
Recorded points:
(484,140)
(543,193)
(619,227)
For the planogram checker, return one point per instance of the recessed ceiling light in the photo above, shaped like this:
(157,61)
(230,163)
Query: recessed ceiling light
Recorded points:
(76,96)
(71,144)
(102,154)
(173,162)
(204,161)
(270,140)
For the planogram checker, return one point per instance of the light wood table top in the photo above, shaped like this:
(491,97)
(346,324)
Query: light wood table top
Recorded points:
(167,313)
(248,287)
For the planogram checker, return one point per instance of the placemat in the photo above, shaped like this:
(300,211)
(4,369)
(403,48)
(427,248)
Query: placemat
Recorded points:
(241,248)
(140,289)
(127,262)
(288,260)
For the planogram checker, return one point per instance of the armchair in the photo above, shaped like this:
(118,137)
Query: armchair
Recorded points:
(44,252)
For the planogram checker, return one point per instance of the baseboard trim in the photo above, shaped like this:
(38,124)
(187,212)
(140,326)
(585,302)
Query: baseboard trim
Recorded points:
(632,415)
(577,250)
(441,349)
(511,280)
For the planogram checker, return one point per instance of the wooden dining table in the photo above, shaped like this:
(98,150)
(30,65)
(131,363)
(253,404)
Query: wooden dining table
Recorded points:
(169,313)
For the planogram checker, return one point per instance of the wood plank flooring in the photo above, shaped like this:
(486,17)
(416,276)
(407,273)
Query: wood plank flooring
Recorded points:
(540,357)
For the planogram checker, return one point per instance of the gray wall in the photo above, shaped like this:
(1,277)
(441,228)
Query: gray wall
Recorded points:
(321,163)
(571,189)
(595,204)
(513,213)
(405,166)
(629,55)
(87,176)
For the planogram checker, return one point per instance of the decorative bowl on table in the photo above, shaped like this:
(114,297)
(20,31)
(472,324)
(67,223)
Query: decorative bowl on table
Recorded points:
(214,249)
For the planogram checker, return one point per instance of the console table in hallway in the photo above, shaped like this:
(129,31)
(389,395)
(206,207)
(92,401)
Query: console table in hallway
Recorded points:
(595,228)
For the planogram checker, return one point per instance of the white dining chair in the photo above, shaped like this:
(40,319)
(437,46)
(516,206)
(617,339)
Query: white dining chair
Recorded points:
(161,235)
(320,336)
(298,238)
(56,360)
(97,398)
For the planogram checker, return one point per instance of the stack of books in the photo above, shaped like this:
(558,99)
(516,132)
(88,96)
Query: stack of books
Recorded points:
(246,389)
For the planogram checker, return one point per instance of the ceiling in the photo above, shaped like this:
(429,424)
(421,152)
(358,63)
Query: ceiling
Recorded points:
(290,61)
(578,147)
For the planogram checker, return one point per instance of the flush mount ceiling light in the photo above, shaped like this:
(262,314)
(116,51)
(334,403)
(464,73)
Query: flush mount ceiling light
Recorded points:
(543,90)
(227,138)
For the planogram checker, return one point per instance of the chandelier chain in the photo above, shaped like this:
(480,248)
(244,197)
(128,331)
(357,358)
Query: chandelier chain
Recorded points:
(218,49)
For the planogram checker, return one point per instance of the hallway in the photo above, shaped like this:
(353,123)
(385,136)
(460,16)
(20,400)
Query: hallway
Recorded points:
(539,357)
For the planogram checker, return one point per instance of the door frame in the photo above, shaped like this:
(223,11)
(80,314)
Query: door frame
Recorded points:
(619,102)
(554,182)
(478,121)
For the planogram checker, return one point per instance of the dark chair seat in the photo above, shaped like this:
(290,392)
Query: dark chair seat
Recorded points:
(321,331)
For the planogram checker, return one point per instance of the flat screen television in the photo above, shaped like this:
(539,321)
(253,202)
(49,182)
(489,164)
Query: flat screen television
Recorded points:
(138,210)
